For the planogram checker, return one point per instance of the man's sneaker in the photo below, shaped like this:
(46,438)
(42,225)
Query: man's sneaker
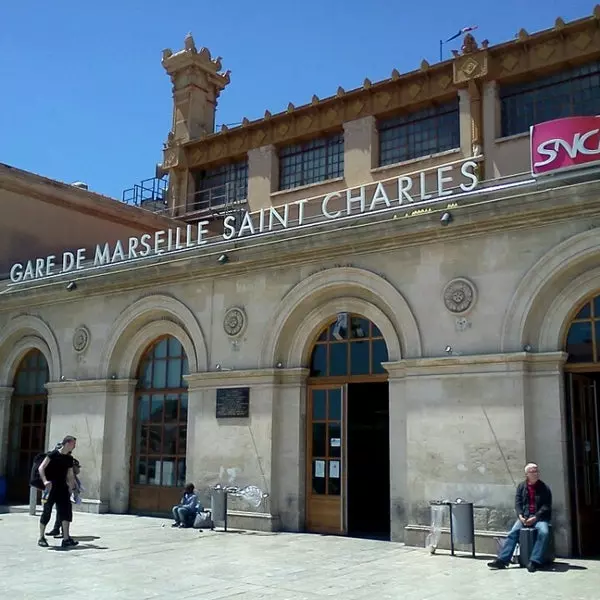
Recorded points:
(497,564)
(54,533)
(42,542)
(175,525)
(69,543)
(532,567)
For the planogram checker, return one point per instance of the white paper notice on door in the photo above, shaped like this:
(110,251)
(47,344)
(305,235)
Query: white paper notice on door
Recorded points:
(334,469)
(336,442)
(319,468)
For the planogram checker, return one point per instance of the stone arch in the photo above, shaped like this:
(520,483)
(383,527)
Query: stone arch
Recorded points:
(140,324)
(313,301)
(539,309)
(24,333)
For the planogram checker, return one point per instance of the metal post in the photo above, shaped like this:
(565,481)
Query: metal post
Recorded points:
(451,530)
(32,501)
(441,51)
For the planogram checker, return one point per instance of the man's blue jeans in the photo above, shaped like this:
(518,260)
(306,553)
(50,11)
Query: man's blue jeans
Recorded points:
(539,549)
(183,515)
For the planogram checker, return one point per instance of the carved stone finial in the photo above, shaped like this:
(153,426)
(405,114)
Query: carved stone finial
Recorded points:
(218,63)
(267,114)
(205,53)
(340,91)
(367,83)
(596,11)
(424,65)
(455,53)
(290,107)
(485,44)
(559,23)
(315,99)
(245,122)
(226,76)
(166,53)
(224,127)
(522,35)
(188,43)
(395,74)
(469,44)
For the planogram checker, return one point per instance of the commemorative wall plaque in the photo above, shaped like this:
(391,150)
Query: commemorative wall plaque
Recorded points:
(233,403)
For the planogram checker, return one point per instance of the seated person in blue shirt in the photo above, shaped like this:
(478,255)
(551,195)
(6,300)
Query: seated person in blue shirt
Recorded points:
(185,512)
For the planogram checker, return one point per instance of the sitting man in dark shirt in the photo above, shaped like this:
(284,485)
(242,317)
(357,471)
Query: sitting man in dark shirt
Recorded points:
(57,475)
(533,504)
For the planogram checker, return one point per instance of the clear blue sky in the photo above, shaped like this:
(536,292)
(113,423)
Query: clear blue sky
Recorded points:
(84,96)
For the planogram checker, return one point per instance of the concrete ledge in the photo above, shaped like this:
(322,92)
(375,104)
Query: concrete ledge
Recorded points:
(237,519)
(91,506)
(485,543)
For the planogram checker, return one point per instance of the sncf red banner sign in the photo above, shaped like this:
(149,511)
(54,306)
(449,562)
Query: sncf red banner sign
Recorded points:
(564,144)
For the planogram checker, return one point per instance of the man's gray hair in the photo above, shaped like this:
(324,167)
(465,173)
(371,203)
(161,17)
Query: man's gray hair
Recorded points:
(529,467)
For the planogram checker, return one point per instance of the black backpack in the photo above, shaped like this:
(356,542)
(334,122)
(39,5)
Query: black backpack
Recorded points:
(35,479)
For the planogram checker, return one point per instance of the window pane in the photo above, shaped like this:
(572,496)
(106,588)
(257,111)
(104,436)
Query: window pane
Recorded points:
(144,408)
(175,348)
(359,357)
(141,475)
(181,472)
(159,376)
(160,350)
(319,403)
(335,405)
(597,307)
(170,435)
(334,479)
(181,450)
(156,411)
(38,412)
(379,355)
(174,373)
(359,327)
(171,406)
(338,359)
(585,312)
(27,412)
(318,363)
(579,342)
(318,483)
(142,447)
(597,328)
(146,374)
(183,408)
(318,441)
(335,439)
(42,379)
(155,440)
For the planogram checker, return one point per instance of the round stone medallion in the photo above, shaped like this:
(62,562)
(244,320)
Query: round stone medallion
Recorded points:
(234,322)
(81,338)
(459,296)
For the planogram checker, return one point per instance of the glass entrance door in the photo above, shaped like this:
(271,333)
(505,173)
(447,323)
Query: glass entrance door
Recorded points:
(585,453)
(326,469)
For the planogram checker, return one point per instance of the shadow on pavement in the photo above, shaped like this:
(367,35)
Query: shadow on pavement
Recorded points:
(77,548)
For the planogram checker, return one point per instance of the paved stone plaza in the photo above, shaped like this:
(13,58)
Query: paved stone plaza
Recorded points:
(123,557)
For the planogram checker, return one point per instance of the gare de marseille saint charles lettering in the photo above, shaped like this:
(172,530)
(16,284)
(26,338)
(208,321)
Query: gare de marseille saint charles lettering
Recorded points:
(371,197)
(562,144)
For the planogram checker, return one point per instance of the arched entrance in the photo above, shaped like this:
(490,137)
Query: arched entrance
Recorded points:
(27,431)
(347,467)
(582,344)
(158,459)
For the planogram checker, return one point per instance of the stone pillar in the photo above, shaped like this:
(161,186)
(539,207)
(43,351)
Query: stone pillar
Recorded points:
(491,126)
(361,150)
(546,436)
(233,451)
(289,448)
(399,494)
(263,176)
(5,397)
(96,412)
(464,109)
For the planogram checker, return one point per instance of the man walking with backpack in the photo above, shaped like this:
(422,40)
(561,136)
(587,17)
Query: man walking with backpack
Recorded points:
(56,472)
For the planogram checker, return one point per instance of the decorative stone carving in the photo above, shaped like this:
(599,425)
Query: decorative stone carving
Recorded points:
(459,296)
(235,321)
(81,338)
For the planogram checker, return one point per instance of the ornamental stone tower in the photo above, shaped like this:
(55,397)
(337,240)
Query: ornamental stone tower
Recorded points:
(197,84)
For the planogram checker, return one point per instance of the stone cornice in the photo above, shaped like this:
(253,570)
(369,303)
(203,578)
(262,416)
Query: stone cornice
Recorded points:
(543,51)
(91,386)
(245,378)
(477,364)
(480,215)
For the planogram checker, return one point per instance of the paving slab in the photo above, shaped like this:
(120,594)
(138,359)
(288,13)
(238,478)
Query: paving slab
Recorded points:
(124,556)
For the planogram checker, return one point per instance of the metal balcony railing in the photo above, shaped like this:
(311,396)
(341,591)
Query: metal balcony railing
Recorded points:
(150,194)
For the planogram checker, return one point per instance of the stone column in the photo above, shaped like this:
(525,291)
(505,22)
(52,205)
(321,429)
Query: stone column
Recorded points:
(5,397)
(289,448)
(233,451)
(464,109)
(399,495)
(263,176)
(94,411)
(491,126)
(361,150)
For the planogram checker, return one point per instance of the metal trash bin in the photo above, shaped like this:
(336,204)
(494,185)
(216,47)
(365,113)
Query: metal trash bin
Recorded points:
(218,506)
(462,524)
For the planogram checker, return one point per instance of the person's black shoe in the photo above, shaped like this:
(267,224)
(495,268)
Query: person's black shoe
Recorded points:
(532,567)
(497,564)
(69,543)
(54,532)
(175,525)
(42,542)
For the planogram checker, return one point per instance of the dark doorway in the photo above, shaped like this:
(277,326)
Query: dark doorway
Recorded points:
(368,447)
(583,418)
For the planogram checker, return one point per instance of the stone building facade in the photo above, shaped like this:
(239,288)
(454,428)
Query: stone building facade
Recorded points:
(405,340)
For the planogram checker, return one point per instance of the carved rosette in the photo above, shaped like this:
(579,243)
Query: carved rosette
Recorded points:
(459,296)
(235,321)
(81,339)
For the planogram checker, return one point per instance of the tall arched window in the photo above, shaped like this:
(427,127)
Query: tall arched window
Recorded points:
(161,407)
(27,422)
(583,337)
